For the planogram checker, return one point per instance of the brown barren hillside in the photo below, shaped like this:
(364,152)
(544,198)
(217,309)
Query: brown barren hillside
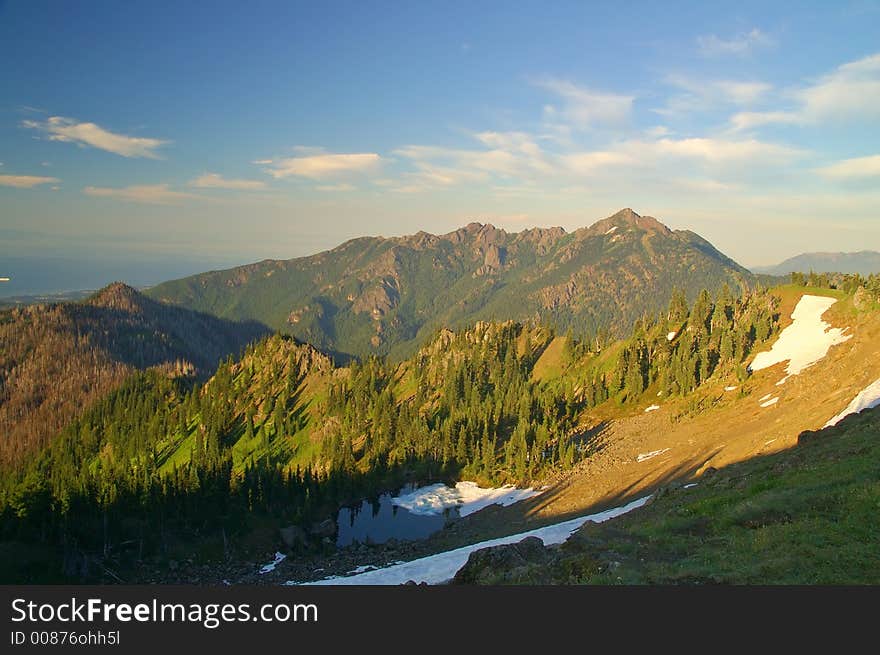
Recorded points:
(58,359)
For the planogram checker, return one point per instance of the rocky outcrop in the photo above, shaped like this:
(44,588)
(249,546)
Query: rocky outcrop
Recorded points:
(485,565)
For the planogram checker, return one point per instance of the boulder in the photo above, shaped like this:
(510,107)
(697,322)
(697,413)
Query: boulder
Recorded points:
(294,537)
(487,564)
(326,528)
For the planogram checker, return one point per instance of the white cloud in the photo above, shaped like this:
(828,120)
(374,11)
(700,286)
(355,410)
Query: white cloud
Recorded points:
(585,107)
(852,91)
(856,168)
(658,131)
(154,194)
(704,95)
(742,93)
(717,150)
(58,128)
(217,181)
(703,185)
(849,93)
(321,166)
(336,188)
(747,120)
(505,155)
(740,44)
(585,163)
(26,181)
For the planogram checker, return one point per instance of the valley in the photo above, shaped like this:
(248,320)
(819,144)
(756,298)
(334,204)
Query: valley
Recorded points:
(203,458)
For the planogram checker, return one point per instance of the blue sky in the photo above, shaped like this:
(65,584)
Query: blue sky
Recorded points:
(225,132)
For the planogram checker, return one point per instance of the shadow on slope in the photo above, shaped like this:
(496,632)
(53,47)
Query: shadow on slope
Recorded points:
(806,515)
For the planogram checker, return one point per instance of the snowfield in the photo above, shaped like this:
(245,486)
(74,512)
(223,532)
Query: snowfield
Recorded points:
(867,398)
(439,568)
(805,341)
(467,496)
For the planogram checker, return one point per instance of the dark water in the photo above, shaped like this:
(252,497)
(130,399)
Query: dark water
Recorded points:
(43,275)
(377,522)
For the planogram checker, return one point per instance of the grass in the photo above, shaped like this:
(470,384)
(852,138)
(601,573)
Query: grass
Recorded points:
(550,364)
(807,515)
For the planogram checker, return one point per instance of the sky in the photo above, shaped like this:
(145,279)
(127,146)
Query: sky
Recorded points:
(149,140)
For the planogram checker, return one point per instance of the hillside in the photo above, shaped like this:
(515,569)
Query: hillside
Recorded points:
(282,436)
(865,262)
(805,515)
(748,487)
(388,295)
(58,359)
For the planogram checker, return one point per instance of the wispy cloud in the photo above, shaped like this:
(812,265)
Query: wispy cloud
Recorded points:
(26,181)
(59,128)
(217,181)
(336,188)
(323,166)
(848,93)
(587,163)
(503,154)
(741,44)
(856,168)
(717,150)
(584,107)
(748,120)
(700,95)
(153,194)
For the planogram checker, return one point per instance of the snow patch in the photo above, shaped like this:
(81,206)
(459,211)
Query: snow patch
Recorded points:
(652,408)
(690,486)
(643,457)
(772,401)
(671,335)
(279,557)
(467,496)
(611,229)
(806,340)
(763,398)
(867,398)
(731,388)
(439,568)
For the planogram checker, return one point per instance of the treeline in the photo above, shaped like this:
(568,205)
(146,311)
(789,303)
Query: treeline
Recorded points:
(468,403)
(676,353)
(863,288)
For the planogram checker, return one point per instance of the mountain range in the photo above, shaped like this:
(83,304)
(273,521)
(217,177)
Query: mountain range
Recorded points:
(376,295)
(864,262)
(137,431)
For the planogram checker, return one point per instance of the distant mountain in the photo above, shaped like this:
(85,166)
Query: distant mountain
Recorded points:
(56,359)
(864,262)
(388,295)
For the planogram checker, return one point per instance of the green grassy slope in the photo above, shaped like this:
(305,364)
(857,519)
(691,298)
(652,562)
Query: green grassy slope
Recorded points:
(807,515)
